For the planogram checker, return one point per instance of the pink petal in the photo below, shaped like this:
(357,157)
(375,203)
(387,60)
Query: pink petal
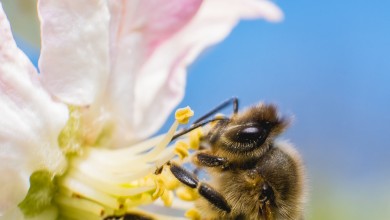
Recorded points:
(74,60)
(247,9)
(29,124)
(137,28)
(162,44)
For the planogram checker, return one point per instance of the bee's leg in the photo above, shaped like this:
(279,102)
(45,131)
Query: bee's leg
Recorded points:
(198,168)
(129,216)
(206,191)
(214,197)
(183,175)
(208,160)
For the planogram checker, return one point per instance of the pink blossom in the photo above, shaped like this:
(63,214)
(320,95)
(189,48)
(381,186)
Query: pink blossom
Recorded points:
(122,64)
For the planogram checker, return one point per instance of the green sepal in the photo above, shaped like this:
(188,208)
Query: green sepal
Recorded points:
(40,195)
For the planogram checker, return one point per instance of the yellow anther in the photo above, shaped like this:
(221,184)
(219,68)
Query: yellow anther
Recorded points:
(182,144)
(181,149)
(167,198)
(183,115)
(144,198)
(194,138)
(148,180)
(217,116)
(169,180)
(187,194)
(193,214)
(160,188)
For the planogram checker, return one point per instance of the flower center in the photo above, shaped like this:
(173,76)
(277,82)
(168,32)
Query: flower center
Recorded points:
(111,182)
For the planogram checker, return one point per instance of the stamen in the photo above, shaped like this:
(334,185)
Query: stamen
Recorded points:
(167,198)
(169,179)
(73,203)
(187,194)
(160,188)
(181,149)
(183,115)
(217,116)
(144,198)
(104,182)
(193,214)
(90,193)
(194,138)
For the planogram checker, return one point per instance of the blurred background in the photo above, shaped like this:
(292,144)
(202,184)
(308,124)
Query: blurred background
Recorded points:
(328,66)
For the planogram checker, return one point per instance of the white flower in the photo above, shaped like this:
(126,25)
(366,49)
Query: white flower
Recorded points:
(119,67)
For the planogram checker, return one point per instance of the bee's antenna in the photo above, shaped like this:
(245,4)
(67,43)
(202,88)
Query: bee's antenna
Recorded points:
(201,121)
(233,100)
(194,126)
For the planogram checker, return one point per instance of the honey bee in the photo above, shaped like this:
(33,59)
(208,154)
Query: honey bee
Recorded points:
(253,176)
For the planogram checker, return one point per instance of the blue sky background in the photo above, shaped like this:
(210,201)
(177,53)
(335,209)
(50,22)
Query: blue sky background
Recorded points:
(327,65)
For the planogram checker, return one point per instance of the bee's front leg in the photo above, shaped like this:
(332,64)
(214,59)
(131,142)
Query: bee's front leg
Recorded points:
(205,190)
(206,159)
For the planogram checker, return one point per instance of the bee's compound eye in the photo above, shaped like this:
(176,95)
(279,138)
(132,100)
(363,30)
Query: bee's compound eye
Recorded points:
(246,137)
(249,134)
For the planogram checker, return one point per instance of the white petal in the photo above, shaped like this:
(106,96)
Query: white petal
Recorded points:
(163,74)
(161,47)
(74,58)
(137,28)
(29,124)
(13,189)
(246,9)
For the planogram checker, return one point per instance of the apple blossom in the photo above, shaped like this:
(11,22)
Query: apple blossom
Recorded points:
(72,138)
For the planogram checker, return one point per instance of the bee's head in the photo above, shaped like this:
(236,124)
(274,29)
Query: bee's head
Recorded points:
(250,132)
